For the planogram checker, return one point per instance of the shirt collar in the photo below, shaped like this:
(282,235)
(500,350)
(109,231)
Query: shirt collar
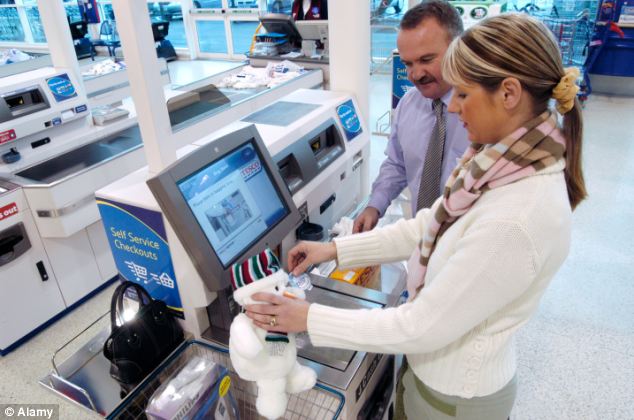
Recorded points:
(445,99)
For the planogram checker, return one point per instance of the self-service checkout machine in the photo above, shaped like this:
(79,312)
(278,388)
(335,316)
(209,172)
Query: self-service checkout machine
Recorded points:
(303,157)
(82,44)
(248,186)
(54,250)
(54,159)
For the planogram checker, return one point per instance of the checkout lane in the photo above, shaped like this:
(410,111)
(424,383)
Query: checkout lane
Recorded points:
(57,158)
(330,157)
(326,149)
(207,311)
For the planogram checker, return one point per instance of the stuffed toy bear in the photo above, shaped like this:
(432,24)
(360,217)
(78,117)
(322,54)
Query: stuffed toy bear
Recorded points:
(268,358)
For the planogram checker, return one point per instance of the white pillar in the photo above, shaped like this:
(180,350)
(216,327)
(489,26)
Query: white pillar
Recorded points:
(24,21)
(189,24)
(135,31)
(349,43)
(60,42)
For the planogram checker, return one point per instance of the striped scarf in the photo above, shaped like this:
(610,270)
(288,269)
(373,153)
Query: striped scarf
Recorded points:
(536,145)
(254,268)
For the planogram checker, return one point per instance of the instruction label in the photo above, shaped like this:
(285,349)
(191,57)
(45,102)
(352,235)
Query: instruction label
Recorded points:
(349,119)
(139,246)
(61,87)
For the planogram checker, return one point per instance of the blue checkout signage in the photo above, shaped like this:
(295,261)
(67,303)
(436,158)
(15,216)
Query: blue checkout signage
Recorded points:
(89,10)
(138,242)
(349,119)
(61,87)
(400,82)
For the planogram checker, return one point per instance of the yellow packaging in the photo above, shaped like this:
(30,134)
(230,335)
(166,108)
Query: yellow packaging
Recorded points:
(359,276)
(349,276)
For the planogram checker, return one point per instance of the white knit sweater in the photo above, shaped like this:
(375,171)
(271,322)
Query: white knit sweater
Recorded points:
(483,282)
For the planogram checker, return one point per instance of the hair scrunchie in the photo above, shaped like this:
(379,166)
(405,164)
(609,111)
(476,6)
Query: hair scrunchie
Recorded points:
(566,90)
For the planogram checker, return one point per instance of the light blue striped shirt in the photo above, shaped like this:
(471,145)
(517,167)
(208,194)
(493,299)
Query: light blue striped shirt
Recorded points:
(412,125)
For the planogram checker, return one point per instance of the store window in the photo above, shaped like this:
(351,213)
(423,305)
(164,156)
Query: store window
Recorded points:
(243,4)
(173,13)
(387,8)
(168,11)
(207,4)
(225,29)
(385,17)
(105,10)
(216,44)
(242,33)
(20,20)
(10,25)
(72,10)
(35,24)
(279,6)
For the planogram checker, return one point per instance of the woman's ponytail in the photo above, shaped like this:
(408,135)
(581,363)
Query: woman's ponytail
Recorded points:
(572,131)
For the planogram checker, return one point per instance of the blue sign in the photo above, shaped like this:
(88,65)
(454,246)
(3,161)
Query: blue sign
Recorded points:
(139,246)
(88,10)
(349,119)
(81,108)
(400,82)
(61,87)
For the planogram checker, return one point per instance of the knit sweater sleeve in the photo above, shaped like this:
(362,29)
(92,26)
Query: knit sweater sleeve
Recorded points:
(493,264)
(394,242)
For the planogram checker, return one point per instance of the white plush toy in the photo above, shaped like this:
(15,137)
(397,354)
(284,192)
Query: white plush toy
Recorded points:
(268,358)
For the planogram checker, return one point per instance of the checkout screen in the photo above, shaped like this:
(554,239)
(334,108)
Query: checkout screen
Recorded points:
(234,201)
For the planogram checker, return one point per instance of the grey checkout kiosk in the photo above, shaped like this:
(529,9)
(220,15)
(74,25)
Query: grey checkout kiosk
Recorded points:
(308,35)
(226,202)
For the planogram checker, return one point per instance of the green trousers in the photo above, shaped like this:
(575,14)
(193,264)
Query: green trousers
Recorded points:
(420,402)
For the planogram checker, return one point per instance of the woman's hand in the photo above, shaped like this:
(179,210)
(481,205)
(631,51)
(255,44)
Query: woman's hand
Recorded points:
(304,254)
(279,313)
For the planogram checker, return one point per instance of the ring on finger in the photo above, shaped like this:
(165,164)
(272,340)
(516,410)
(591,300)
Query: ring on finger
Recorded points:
(273,321)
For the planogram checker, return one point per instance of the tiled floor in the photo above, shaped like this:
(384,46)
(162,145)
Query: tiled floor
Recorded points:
(576,357)
(577,354)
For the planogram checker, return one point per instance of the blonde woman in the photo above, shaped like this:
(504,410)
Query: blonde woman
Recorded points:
(486,250)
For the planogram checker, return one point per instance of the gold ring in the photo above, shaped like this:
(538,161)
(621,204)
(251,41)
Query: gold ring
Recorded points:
(273,321)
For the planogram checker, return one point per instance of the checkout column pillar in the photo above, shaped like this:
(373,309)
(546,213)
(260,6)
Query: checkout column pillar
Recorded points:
(143,69)
(58,38)
(349,49)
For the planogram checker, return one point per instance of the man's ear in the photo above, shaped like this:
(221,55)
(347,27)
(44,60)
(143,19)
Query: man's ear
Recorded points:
(511,91)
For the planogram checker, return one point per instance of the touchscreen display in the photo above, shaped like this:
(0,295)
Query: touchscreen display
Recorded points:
(234,201)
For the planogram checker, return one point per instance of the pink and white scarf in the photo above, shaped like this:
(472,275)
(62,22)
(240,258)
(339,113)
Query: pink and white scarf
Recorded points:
(530,148)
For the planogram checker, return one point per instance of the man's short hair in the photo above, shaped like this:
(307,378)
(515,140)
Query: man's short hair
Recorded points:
(445,14)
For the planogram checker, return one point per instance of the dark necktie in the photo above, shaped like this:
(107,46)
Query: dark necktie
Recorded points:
(430,179)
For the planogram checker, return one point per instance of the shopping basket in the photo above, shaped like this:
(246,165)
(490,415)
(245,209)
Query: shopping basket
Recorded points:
(320,402)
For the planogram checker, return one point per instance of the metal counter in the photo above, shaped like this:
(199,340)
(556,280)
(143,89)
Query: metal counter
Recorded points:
(76,161)
(202,99)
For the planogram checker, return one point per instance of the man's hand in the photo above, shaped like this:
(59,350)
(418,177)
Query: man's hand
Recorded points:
(366,221)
